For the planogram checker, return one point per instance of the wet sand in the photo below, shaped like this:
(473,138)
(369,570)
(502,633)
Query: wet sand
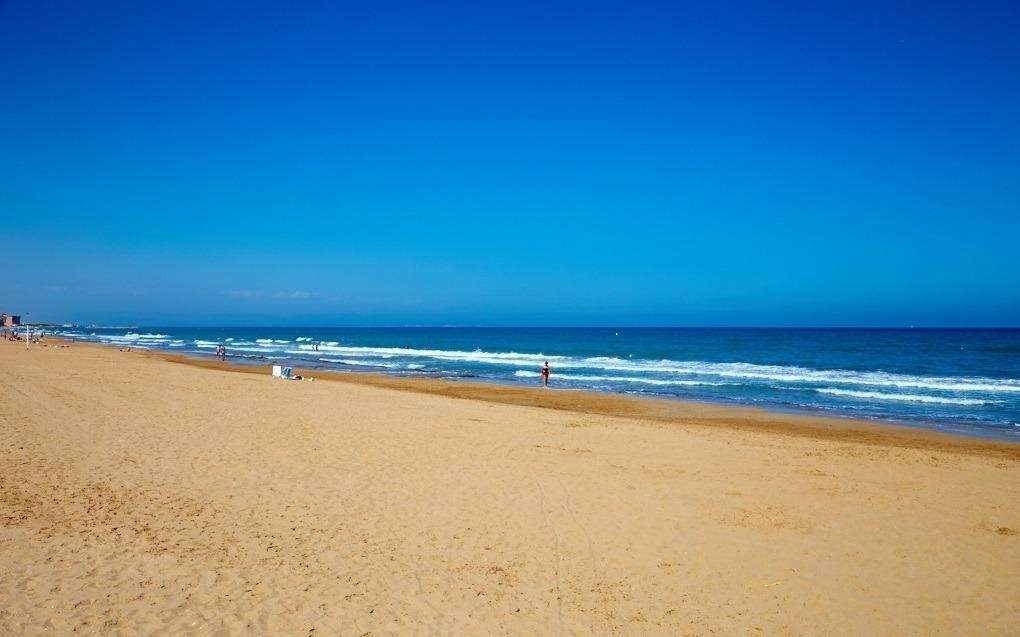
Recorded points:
(140,495)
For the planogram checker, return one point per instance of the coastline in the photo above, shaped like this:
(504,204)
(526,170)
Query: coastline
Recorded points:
(929,379)
(145,495)
(663,411)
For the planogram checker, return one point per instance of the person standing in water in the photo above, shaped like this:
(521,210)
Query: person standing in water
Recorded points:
(221,352)
(545,374)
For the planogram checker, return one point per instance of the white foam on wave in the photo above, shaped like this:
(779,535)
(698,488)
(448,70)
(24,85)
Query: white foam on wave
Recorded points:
(253,350)
(792,374)
(131,337)
(912,398)
(521,373)
(477,356)
(734,371)
(648,381)
(648,371)
(359,363)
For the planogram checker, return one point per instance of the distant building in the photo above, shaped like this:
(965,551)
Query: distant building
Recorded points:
(10,320)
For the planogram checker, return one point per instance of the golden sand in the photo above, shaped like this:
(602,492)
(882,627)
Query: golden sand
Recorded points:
(143,496)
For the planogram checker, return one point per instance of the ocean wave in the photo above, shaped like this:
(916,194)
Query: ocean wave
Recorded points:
(521,373)
(648,381)
(779,373)
(477,356)
(131,337)
(733,371)
(359,363)
(913,398)
(255,349)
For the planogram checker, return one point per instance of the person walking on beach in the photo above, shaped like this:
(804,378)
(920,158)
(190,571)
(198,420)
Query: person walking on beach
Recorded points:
(545,374)
(221,352)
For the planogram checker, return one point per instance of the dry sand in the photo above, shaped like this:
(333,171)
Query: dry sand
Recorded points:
(142,496)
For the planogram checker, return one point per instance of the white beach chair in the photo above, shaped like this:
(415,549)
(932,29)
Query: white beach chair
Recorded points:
(277,371)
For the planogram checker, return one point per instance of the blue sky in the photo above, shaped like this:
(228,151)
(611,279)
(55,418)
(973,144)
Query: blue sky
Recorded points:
(583,163)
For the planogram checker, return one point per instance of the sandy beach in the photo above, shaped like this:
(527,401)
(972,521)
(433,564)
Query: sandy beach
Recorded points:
(141,495)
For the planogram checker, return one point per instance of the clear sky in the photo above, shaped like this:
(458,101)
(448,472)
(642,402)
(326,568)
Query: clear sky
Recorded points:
(574,163)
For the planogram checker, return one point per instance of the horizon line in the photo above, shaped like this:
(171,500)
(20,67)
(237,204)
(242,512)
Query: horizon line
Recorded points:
(537,327)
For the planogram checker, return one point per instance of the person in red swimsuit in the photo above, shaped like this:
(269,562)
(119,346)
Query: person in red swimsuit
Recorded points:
(545,373)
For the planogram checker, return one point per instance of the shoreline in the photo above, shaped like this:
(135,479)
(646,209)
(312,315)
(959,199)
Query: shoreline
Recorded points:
(664,411)
(944,394)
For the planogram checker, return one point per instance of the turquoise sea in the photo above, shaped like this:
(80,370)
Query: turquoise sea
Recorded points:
(962,380)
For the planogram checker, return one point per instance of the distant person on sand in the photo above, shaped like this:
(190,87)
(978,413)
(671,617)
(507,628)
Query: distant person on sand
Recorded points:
(221,352)
(545,373)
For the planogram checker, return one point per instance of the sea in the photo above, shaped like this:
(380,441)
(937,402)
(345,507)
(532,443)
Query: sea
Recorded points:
(959,380)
